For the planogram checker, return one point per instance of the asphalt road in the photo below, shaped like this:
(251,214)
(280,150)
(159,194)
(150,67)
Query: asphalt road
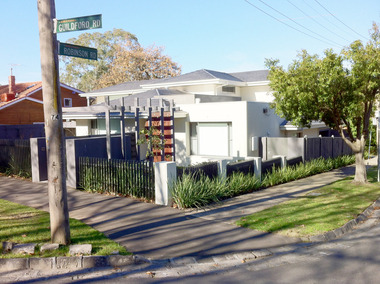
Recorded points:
(354,258)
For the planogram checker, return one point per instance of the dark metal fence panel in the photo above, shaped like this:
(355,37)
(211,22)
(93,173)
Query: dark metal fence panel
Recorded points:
(337,147)
(129,178)
(346,149)
(326,147)
(266,166)
(245,167)
(294,161)
(15,155)
(22,132)
(313,148)
(208,169)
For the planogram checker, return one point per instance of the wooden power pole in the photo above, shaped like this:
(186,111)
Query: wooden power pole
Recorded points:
(55,142)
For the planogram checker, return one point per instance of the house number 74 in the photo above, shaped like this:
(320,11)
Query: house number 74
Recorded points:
(54,116)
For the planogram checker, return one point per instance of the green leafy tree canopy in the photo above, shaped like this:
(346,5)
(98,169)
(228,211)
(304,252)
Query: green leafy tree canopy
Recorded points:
(121,58)
(83,74)
(338,89)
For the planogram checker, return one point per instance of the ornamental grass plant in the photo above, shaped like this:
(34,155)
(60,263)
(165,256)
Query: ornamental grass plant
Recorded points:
(189,192)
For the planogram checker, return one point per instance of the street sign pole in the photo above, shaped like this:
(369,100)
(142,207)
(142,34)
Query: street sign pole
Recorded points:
(55,142)
(378,149)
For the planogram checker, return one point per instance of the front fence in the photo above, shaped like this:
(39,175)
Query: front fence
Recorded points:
(245,167)
(294,161)
(15,157)
(128,178)
(208,169)
(267,166)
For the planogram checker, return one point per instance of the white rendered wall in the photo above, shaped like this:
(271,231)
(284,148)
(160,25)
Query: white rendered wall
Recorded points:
(181,127)
(313,132)
(261,124)
(247,119)
(256,94)
(83,127)
(233,112)
(197,89)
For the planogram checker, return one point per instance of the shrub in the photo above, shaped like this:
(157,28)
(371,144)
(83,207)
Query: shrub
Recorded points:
(189,192)
(196,192)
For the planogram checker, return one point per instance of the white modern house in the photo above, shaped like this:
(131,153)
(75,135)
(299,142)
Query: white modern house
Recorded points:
(218,115)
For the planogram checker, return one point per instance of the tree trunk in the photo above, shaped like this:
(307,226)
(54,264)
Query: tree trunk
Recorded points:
(360,170)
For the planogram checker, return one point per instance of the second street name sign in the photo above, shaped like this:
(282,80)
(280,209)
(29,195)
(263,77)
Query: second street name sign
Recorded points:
(77,51)
(78,24)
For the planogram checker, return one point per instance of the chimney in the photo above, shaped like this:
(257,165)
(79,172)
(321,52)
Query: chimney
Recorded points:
(6,97)
(12,84)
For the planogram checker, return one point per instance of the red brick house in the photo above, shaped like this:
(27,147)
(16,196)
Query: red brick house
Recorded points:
(22,103)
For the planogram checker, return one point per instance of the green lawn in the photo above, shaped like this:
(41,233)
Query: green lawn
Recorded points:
(22,224)
(314,214)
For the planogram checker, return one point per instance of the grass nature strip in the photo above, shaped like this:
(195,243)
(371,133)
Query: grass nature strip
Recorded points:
(23,224)
(326,209)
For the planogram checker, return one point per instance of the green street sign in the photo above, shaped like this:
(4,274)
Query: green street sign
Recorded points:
(78,24)
(77,51)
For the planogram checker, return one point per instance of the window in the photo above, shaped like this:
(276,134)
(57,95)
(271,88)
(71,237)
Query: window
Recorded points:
(228,89)
(67,102)
(94,127)
(211,139)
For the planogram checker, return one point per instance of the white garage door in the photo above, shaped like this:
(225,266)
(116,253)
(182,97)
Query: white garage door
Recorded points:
(213,139)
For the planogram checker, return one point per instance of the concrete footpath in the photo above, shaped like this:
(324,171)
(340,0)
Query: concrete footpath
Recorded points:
(161,234)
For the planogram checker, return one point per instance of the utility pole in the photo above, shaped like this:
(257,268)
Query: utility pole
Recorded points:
(55,147)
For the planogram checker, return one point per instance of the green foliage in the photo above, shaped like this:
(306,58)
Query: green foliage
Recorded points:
(195,191)
(21,168)
(121,58)
(154,139)
(118,177)
(316,166)
(189,192)
(331,207)
(239,183)
(22,224)
(90,180)
(83,74)
(324,89)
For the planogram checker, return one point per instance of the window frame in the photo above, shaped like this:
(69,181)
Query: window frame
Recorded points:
(70,102)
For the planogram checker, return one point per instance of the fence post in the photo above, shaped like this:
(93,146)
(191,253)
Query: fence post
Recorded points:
(257,167)
(283,160)
(305,149)
(222,168)
(165,174)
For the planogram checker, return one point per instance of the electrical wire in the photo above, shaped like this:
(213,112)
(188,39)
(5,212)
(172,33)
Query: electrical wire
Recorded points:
(299,24)
(340,21)
(311,18)
(329,20)
(286,23)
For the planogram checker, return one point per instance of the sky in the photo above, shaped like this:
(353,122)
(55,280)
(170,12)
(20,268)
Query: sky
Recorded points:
(221,35)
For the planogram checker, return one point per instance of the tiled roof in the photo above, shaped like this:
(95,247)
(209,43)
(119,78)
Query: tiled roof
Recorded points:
(202,74)
(199,75)
(130,85)
(22,90)
(150,94)
(252,76)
